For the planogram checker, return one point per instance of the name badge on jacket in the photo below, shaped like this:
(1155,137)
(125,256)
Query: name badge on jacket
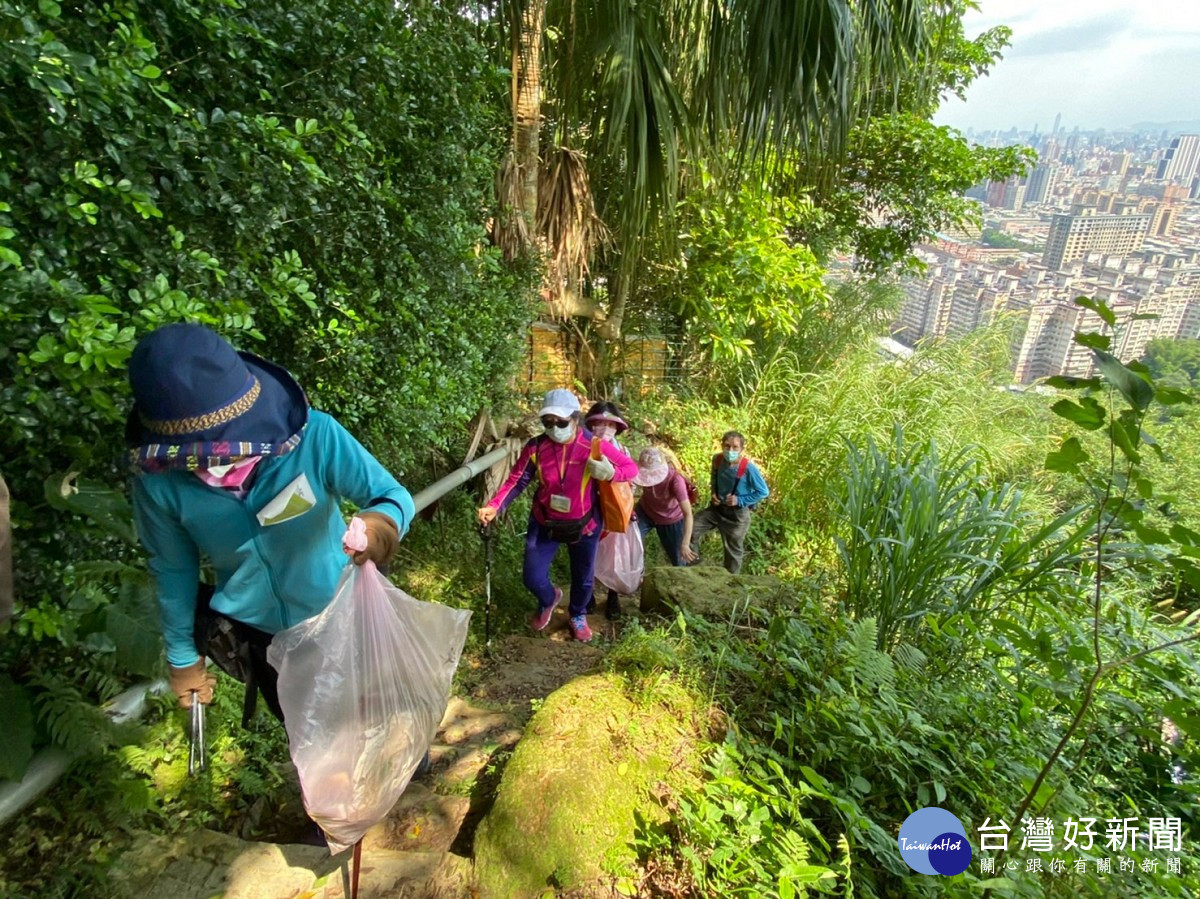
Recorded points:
(292,501)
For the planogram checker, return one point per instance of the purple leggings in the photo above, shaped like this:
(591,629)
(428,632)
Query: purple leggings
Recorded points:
(539,553)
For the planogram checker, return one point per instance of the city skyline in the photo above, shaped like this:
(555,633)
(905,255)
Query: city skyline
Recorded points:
(1110,64)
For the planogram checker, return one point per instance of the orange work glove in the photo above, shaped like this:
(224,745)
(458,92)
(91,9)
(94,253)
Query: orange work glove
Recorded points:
(382,539)
(194,680)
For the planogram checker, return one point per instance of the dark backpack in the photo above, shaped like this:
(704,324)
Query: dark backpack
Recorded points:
(693,492)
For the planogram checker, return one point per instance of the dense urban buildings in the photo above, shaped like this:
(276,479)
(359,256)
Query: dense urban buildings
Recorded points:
(1110,216)
(1076,235)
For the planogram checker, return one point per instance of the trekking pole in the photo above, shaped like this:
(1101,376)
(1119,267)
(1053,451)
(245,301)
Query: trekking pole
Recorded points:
(356,867)
(485,532)
(196,760)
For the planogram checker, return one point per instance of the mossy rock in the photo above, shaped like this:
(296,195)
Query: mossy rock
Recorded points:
(706,590)
(591,760)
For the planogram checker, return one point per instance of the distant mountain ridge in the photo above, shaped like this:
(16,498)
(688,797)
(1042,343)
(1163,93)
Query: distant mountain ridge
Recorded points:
(1184,127)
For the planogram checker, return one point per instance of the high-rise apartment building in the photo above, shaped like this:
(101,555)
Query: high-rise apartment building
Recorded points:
(1073,236)
(1041,183)
(995,193)
(1181,159)
(1014,194)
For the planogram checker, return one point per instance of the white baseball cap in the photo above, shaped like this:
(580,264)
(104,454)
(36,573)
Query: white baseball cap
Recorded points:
(560,403)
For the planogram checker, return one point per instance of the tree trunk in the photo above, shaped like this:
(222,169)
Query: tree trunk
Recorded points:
(614,322)
(527,108)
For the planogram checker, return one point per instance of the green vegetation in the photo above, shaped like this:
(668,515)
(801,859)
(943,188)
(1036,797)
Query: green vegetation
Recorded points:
(993,237)
(1175,363)
(959,650)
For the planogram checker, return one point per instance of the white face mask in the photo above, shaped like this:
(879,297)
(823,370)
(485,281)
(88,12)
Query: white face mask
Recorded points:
(605,431)
(561,435)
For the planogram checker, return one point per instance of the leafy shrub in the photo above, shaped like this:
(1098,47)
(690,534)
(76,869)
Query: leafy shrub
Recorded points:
(922,537)
(311,180)
(833,743)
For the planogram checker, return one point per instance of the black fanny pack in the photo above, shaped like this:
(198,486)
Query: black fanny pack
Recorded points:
(567,530)
(228,643)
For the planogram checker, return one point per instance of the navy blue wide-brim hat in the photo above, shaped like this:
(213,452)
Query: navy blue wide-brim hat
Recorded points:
(198,402)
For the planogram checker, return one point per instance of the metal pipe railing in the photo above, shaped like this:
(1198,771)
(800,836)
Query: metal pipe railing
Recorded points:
(461,475)
(49,765)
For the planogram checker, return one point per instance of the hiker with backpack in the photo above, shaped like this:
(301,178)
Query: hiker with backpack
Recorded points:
(565,508)
(233,466)
(665,505)
(737,486)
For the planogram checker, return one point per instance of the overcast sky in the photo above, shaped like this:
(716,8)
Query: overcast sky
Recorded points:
(1101,63)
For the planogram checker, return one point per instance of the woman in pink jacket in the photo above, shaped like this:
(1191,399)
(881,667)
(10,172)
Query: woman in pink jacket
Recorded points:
(565,506)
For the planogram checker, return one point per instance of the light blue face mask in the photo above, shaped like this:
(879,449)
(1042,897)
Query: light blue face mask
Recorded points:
(560,435)
(732,455)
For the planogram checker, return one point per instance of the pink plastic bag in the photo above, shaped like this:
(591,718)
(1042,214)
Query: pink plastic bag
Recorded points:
(363,686)
(619,560)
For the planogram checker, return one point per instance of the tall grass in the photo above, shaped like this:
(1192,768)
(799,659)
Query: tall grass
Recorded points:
(950,392)
(925,537)
(800,422)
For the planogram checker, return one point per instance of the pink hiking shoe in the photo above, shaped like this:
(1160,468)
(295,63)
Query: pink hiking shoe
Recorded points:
(580,629)
(541,618)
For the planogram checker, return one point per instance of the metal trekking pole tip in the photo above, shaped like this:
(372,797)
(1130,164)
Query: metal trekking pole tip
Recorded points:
(196,759)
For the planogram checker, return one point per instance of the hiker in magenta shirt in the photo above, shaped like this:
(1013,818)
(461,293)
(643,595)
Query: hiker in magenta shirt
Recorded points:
(565,508)
(664,506)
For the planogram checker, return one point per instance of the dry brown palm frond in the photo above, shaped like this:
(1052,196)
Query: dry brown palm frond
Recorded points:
(567,220)
(510,228)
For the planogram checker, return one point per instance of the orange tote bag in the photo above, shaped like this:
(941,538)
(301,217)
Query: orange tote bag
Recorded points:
(616,498)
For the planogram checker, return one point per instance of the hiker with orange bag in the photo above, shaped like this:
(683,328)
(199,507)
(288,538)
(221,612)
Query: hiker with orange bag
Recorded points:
(619,558)
(565,509)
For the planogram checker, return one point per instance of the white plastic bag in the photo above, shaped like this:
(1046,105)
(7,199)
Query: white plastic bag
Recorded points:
(363,686)
(619,560)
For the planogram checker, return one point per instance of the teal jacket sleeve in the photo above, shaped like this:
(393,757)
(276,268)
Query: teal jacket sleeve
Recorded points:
(174,560)
(353,473)
(752,489)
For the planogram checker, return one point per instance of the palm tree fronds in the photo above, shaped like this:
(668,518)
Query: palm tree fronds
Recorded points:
(510,228)
(567,221)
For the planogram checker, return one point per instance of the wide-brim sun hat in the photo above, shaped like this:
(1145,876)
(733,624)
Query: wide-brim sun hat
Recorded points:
(560,403)
(652,468)
(613,419)
(199,403)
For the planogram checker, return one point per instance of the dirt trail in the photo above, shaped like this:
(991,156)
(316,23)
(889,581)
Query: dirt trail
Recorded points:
(440,811)
(423,848)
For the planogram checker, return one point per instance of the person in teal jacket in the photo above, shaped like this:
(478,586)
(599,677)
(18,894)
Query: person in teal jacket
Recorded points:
(233,467)
(736,486)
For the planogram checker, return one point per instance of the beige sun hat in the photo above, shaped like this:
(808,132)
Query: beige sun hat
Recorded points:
(652,468)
